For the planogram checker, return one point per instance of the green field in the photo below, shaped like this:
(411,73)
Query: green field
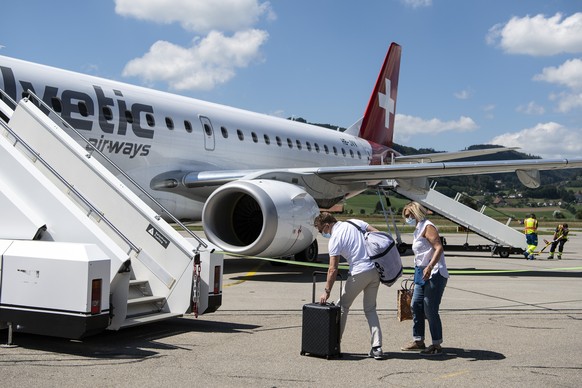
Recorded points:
(364,206)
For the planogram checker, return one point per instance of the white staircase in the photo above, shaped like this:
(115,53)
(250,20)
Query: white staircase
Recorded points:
(476,221)
(53,189)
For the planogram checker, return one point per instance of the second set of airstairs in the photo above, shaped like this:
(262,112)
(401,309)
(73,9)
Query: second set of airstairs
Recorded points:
(506,239)
(54,189)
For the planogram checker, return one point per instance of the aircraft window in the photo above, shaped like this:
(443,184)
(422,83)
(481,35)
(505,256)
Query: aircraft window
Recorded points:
(298,144)
(326,149)
(334,150)
(351,153)
(56,103)
(278,141)
(224,132)
(207,129)
(289,143)
(316,146)
(343,152)
(359,155)
(241,136)
(308,145)
(107,113)
(150,120)
(169,123)
(267,140)
(187,126)
(255,138)
(83,109)
(128,117)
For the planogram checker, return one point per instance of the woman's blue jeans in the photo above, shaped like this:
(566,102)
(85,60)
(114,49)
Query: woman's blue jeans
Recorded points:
(426,300)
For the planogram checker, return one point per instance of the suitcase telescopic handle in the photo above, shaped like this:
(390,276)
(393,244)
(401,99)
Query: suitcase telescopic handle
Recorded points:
(315,273)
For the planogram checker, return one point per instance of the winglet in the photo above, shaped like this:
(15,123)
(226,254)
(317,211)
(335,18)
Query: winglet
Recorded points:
(378,122)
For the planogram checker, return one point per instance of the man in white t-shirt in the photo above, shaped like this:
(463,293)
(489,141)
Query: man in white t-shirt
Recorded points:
(346,240)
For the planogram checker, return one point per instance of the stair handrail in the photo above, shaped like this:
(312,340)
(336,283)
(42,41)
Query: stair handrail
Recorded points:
(71,188)
(116,167)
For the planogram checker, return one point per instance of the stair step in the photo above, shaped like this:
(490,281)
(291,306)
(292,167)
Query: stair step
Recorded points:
(136,282)
(145,299)
(143,319)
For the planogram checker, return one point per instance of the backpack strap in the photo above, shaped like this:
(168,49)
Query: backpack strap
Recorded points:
(383,253)
(360,229)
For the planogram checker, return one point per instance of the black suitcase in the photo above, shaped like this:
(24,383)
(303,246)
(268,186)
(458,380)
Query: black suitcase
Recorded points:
(321,327)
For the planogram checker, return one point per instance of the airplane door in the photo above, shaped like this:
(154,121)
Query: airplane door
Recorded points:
(208,133)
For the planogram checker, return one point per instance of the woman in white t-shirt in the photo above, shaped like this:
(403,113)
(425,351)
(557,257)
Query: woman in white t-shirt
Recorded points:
(430,280)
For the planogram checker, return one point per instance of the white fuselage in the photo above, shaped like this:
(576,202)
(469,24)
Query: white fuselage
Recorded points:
(147,132)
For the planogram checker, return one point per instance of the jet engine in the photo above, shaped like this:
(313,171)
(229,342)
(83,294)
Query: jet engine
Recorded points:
(260,218)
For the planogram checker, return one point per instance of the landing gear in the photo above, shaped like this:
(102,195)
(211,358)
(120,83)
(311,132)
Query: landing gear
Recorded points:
(309,254)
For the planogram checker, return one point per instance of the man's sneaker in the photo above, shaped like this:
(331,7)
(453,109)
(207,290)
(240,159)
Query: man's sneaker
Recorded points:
(559,257)
(432,350)
(551,257)
(414,346)
(531,257)
(377,353)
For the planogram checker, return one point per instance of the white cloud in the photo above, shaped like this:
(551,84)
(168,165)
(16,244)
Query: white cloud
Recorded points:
(489,111)
(197,15)
(531,109)
(417,3)
(212,59)
(568,74)
(538,35)
(463,94)
(208,62)
(409,126)
(567,101)
(548,140)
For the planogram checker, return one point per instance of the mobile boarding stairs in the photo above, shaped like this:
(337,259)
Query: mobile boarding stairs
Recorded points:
(81,252)
(506,240)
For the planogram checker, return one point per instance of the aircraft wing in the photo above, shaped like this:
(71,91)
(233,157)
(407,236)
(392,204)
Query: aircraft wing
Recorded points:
(530,167)
(527,171)
(442,156)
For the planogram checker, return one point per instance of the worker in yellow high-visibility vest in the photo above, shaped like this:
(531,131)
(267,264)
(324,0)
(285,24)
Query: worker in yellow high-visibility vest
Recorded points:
(531,236)
(560,238)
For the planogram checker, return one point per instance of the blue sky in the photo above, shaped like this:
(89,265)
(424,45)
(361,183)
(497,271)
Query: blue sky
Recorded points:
(495,71)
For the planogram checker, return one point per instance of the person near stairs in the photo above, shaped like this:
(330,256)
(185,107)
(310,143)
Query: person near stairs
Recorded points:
(531,236)
(559,239)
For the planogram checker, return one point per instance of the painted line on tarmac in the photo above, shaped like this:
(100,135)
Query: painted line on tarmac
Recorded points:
(246,277)
(406,270)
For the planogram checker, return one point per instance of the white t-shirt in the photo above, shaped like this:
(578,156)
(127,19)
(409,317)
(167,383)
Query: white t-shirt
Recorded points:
(347,241)
(423,250)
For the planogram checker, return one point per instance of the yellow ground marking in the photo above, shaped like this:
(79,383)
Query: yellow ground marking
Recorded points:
(249,274)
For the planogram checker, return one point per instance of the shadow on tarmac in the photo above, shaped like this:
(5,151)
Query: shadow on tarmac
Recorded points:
(448,354)
(136,343)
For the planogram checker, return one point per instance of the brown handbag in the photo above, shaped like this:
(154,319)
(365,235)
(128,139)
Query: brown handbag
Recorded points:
(404,299)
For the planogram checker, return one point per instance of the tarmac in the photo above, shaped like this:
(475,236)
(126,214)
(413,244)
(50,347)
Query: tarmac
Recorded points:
(507,322)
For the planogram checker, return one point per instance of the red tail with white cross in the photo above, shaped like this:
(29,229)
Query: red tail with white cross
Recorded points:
(378,122)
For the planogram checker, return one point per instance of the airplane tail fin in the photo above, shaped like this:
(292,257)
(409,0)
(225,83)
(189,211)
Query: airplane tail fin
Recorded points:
(378,123)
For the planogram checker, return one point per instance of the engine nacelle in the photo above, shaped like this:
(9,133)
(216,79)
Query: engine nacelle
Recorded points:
(260,218)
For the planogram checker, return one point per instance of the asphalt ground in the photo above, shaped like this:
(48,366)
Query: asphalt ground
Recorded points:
(507,322)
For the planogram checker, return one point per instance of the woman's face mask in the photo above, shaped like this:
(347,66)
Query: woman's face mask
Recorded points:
(410,221)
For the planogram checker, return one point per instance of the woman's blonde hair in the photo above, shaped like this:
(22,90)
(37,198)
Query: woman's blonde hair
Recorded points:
(416,209)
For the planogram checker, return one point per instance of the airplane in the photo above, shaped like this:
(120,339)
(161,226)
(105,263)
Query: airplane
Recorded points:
(255,181)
